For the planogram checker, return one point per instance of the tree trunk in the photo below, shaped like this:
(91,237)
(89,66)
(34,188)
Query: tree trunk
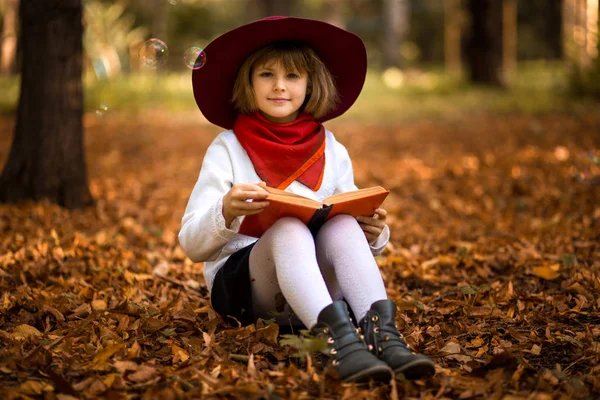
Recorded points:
(395,26)
(484,48)
(46,160)
(269,8)
(580,31)
(509,38)
(8,54)
(453,27)
(334,13)
(159,19)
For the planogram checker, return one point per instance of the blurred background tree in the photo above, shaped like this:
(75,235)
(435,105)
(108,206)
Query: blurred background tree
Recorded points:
(8,51)
(415,47)
(468,41)
(110,38)
(46,159)
(485,38)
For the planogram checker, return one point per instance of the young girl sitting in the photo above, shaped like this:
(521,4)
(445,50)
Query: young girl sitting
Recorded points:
(271,84)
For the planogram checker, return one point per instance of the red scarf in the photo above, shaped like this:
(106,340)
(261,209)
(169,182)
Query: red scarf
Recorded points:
(283,153)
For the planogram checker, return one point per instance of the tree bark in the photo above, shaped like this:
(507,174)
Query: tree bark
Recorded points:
(484,48)
(9,38)
(453,27)
(580,31)
(334,13)
(46,160)
(395,26)
(276,7)
(159,19)
(509,38)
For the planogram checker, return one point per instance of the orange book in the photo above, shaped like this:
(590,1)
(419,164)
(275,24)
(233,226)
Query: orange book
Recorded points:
(313,213)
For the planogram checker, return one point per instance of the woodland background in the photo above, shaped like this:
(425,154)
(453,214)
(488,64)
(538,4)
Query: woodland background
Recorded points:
(482,117)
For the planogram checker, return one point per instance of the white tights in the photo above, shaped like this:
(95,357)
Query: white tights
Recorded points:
(288,266)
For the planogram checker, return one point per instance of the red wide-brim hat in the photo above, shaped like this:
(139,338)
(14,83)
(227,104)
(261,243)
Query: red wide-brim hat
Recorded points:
(341,51)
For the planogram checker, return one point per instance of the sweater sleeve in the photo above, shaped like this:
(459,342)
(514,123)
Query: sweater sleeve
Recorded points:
(203,231)
(345,183)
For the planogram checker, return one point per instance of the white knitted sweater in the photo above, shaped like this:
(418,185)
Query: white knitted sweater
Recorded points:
(204,236)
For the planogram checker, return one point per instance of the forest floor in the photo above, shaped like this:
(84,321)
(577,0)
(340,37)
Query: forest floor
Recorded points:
(494,263)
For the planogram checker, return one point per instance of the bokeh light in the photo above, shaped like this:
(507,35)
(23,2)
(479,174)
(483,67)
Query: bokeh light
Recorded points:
(393,77)
(587,167)
(194,57)
(173,2)
(154,53)
(101,110)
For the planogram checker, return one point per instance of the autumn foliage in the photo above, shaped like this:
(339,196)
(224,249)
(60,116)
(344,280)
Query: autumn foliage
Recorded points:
(494,263)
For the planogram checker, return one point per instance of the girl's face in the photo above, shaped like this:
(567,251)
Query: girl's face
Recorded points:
(279,94)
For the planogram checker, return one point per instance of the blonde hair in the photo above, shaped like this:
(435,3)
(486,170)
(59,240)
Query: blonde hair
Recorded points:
(321,93)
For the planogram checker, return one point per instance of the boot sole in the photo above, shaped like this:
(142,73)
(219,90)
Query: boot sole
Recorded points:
(377,373)
(418,369)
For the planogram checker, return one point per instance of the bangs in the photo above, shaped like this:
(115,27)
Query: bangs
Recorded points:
(292,56)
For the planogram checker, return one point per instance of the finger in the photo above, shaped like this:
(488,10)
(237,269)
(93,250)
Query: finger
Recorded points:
(256,195)
(370,237)
(255,205)
(371,229)
(250,187)
(250,195)
(371,221)
(253,212)
(381,212)
(243,205)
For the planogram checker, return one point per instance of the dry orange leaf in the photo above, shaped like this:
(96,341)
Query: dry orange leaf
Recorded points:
(99,305)
(179,354)
(142,374)
(546,272)
(104,355)
(35,388)
(25,331)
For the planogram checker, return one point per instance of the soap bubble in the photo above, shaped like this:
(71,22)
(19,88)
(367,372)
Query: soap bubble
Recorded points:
(194,57)
(101,110)
(154,53)
(587,167)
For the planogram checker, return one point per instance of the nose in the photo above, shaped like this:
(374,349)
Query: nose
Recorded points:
(279,86)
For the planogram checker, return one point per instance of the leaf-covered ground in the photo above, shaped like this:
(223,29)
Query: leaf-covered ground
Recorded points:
(494,263)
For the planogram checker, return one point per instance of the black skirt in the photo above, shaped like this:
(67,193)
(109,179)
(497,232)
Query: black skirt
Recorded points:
(231,296)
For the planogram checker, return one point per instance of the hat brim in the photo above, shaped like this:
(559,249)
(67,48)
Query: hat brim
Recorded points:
(341,51)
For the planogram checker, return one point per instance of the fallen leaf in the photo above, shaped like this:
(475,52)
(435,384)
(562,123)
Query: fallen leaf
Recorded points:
(179,354)
(451,348)
(104,355)
(25,331)
(99,305)
(123,366)
(143,373)
(35,388)
(545,272)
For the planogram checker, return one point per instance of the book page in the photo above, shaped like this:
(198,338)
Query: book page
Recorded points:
(291,198)
(358,206)
(356,194)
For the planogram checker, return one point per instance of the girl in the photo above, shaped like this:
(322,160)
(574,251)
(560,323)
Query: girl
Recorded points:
(271,84)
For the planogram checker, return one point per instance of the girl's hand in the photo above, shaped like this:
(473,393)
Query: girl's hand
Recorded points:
(373,226)
(244,199)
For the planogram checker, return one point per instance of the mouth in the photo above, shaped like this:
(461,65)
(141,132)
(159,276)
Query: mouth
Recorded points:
(278,100)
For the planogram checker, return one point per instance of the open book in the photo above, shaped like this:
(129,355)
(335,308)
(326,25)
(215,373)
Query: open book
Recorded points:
(313,213)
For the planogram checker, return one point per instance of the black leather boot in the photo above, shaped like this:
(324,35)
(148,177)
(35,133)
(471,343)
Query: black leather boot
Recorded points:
(351,358)
(384,341)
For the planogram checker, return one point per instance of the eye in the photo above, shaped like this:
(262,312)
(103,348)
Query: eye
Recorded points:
(293,75)
(265,74)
